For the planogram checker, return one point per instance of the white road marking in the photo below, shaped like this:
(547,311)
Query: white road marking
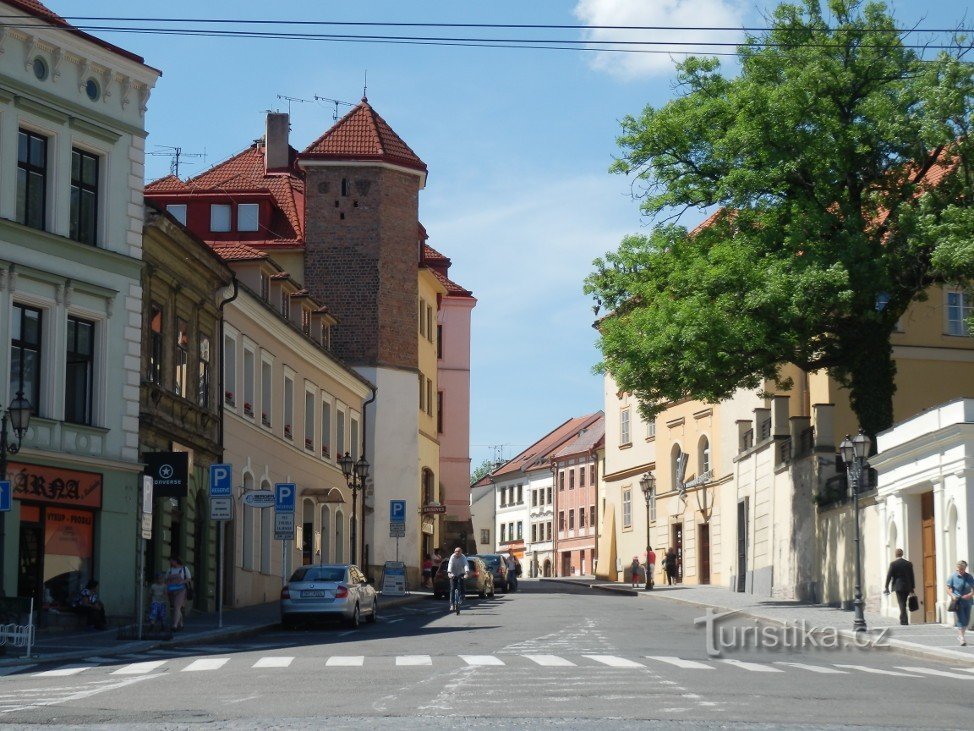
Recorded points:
(965,670)
(60,672)
(393,621)
(414,660)
(481,660)
(140,668)
(877,671)
(206,663)
(680,662)
(754,667)
(813,668)
(550,661)
(273,662)
(346,634)
(97,688)
(615,662)
(345,661)
(939,673)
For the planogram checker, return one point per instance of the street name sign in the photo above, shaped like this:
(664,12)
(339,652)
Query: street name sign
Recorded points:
(259,499)
(284,495)
(5,496)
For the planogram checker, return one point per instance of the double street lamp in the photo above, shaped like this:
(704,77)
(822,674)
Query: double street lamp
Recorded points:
(356,472)
(18,413)
(648,484)
(854,452)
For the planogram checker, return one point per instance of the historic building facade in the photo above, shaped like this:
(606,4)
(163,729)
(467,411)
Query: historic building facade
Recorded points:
(575,472)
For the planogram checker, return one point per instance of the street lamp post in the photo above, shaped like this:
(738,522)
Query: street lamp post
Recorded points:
(648,484)
(854,452)
(356,472)
(18,413)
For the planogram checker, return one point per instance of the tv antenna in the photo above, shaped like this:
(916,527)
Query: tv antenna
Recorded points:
(336,102)
(175,155)
(290,99)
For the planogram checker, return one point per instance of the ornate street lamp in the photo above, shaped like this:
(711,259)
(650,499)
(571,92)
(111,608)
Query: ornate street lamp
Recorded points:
(648,485)
(18,413)
(356,472)
(854,452)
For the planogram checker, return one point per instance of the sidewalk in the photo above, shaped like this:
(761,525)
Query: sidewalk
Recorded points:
(200,628)
(932,641)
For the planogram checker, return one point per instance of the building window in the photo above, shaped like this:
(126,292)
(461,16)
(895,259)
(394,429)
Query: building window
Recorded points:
(678,466)
(285,304)
(627,508)
(561,520)
(548,501)
(219,217)
(581,518)
(177,211)
(429,323)
(591,515)
(485,535)
(624,427)
(309,420)
(958,313)
(229,371)
(651,429)
(80,370)
(155,344)
(248,215)
(325,428)
(581,476)
(203,385)
(439,412)
(288,408)
(520,494)
(265,287)
(571,520)
(534,533)
(84,196)
(549,531)
(534,498)
(422,317)
(704,456)
(340,447)
(31,179)
(571,479)
(591,475)
(25,355)
(561,480)
(353,437)
(503,533)
(306,321)
(439,342)
(429,396)
(520,533)
(266,370)
(510,530)
(248,384)
(422,392)
(180,373)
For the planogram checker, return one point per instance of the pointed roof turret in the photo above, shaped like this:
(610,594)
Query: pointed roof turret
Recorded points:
(363,136)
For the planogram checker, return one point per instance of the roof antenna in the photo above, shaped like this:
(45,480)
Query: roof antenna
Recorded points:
(336,102)
(290,99)
(365,87)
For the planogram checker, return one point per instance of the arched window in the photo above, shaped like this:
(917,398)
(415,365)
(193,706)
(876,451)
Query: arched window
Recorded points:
(704,456)
(340,537)
(429,493)
(676,461)
(307,532)
(325,534)
(247,539)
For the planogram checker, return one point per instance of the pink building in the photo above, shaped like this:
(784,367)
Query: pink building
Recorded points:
(575,468)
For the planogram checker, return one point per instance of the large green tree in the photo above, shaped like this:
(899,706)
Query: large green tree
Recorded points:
(838,160)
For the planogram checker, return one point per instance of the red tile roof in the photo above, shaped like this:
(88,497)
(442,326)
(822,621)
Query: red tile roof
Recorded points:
(587,439)
(236,251)
(363,135)
(166,185)
(537,455)
(440,265)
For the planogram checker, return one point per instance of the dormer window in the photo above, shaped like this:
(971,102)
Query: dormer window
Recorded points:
(219,217)
(248,216)
(177,211)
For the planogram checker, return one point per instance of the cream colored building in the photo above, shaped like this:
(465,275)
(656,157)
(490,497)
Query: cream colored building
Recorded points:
(430,495)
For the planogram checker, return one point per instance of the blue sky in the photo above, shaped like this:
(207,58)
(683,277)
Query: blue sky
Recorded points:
(518,143)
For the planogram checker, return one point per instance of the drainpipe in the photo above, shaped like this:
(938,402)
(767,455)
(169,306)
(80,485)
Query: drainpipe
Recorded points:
(365,431)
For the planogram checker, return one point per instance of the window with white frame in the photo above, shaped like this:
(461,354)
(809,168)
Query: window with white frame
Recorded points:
(520,530)
(230,370)
(219,217)
(340,444)
(288,407)
(503,532)
(249,359)
(624,437)
(326,426)
(958,312)
(309,419)
(704,465)
(177,211)
(266,391)
(248,215)
(627,508)
(485,536)
(651,429)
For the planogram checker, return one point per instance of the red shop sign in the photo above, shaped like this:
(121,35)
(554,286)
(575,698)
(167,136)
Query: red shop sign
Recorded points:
(54,485)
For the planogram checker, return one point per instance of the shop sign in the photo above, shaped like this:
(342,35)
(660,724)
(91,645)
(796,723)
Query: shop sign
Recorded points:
(259,499)
(169,472)
(433,508)
(54,485)
(428,526)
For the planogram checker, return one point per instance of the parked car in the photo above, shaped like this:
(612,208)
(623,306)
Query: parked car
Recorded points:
(479,579)
(498,567)
(323,591)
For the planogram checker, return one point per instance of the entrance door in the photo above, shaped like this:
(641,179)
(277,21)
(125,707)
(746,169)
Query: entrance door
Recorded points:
(566,564)
(929,558)
(704,559)
(741,544)
(678,547)
(31,558)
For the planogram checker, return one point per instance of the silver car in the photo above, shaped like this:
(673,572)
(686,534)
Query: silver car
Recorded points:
(328,590)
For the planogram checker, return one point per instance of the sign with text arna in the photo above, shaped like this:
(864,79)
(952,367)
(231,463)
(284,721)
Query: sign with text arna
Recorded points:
(284,496)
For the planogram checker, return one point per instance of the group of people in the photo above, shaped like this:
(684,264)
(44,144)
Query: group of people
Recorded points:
(960,591)
(641,575)
(170,589)
(431,564)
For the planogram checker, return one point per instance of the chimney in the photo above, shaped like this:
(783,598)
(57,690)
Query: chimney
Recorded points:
(277,155)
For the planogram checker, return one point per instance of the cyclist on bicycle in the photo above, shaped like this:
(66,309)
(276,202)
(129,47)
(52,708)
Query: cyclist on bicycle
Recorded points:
(456,569)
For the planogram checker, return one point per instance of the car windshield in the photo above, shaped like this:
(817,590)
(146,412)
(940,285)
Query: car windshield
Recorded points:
(319,573)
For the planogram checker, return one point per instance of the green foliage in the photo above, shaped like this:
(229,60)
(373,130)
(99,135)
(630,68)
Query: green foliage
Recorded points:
(485,468)
(821,155)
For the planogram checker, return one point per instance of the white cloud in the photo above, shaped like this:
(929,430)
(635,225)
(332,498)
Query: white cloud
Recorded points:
(683,13)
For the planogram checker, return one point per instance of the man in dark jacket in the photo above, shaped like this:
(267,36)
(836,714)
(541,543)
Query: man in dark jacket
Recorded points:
(900,575)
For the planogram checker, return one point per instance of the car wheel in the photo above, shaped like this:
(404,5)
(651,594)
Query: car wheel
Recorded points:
(375,612)
(491,595)
(356,619)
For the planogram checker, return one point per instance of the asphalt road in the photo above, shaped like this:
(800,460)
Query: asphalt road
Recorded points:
(550,655)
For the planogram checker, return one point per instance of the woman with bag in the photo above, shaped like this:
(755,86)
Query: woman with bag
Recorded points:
(960,589)
(179,584)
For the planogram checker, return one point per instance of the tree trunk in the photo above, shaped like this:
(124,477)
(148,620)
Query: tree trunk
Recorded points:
(871,375)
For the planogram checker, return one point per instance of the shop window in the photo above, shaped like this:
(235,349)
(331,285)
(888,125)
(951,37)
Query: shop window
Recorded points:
(84,197)
(25,355)
(31,179)
(79,371)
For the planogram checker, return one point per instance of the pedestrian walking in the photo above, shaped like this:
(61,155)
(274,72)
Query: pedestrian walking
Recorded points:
(437,560)
(427,570)
(960,589)
(634,572)
(669,566)
(900,576)
(513,571)
(159,602)
(91,606)
(179,584)
(650,567)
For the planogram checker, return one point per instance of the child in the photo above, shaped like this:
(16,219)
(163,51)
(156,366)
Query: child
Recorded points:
(159,602)
(635,571)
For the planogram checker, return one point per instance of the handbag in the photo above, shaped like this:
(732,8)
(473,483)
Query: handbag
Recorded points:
(952,607)
(913,602)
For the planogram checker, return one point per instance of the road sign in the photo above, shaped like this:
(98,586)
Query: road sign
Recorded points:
(397,530)
(397,511)
(284,493)
(221,480)
(259,499)
(221,508)
(5,495)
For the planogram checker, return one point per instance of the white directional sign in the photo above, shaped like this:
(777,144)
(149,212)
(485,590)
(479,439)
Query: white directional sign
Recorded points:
(221,508)
(397,530)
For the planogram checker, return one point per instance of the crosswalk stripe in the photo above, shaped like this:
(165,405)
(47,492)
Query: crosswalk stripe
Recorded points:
(876,671)
(481,660)
(615,662)
(140,668)
(273,662)
(939,673)
(550,661)
(414,660)
(813,668)
(206,663)
(681,663)
(61,672)
(345,661)
(753,667)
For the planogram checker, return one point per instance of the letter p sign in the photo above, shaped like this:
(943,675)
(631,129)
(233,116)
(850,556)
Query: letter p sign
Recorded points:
(221,480)
(284,497)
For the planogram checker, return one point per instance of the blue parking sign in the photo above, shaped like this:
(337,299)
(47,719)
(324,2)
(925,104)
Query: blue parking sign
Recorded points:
(5,496)
(221,480)
(397,511)
(284,497)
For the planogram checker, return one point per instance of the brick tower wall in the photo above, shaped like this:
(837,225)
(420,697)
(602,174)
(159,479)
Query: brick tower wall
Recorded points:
(361,257)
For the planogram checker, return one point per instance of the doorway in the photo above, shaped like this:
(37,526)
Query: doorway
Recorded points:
(547,567)
(704,559)
(677,544)
(566,563)
(929,558)
(741,544)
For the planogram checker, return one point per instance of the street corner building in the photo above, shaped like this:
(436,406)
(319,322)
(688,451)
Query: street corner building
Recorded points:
(71,183)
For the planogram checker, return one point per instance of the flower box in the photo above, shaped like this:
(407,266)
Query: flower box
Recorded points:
(228,397)
(248,409)
(265,419)
(324,451)
(309,443)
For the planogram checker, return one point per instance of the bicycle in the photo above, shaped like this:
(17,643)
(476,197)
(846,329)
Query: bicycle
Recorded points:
(456,597)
